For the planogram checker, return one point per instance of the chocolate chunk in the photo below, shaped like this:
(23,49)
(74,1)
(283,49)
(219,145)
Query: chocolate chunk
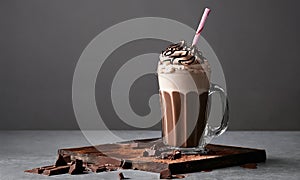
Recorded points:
(176,155)
(126,164)
(165,174)
(76,168)
(60,161)
(67,158)
(56,170)
(39,170)
(121,176)
(73,170)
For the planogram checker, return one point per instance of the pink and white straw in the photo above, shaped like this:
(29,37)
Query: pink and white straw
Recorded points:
(201,25)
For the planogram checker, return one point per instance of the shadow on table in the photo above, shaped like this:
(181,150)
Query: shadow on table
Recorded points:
(280,162)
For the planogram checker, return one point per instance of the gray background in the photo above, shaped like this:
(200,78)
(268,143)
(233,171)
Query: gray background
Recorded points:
(41,41)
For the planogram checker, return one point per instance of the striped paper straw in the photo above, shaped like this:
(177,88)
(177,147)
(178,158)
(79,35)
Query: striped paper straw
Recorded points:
(201,25)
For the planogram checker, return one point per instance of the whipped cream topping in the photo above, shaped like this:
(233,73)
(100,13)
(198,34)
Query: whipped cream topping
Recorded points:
(181,54)
(179,57)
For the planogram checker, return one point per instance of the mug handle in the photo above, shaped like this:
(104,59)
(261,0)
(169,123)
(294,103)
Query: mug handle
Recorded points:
(217,131)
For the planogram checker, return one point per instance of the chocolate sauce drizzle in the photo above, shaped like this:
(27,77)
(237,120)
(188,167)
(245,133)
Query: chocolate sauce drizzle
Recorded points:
(179,53)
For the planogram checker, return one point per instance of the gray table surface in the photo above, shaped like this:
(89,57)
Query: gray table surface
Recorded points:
(20,150)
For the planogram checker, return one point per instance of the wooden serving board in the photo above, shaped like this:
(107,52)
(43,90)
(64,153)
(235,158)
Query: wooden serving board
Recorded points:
(129,155)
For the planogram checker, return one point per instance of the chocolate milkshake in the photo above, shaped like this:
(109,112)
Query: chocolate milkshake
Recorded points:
(184,82)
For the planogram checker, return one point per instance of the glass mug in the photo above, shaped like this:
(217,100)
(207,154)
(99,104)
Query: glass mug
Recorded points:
(185,106)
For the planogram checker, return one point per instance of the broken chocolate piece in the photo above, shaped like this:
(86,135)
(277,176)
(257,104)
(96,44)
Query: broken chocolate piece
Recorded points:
(126,164)
(121,176)
(60,161)
(110,154)
(67,158)
(176,155)
(76,167)
(165,174)
(56,170)
(39,170)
